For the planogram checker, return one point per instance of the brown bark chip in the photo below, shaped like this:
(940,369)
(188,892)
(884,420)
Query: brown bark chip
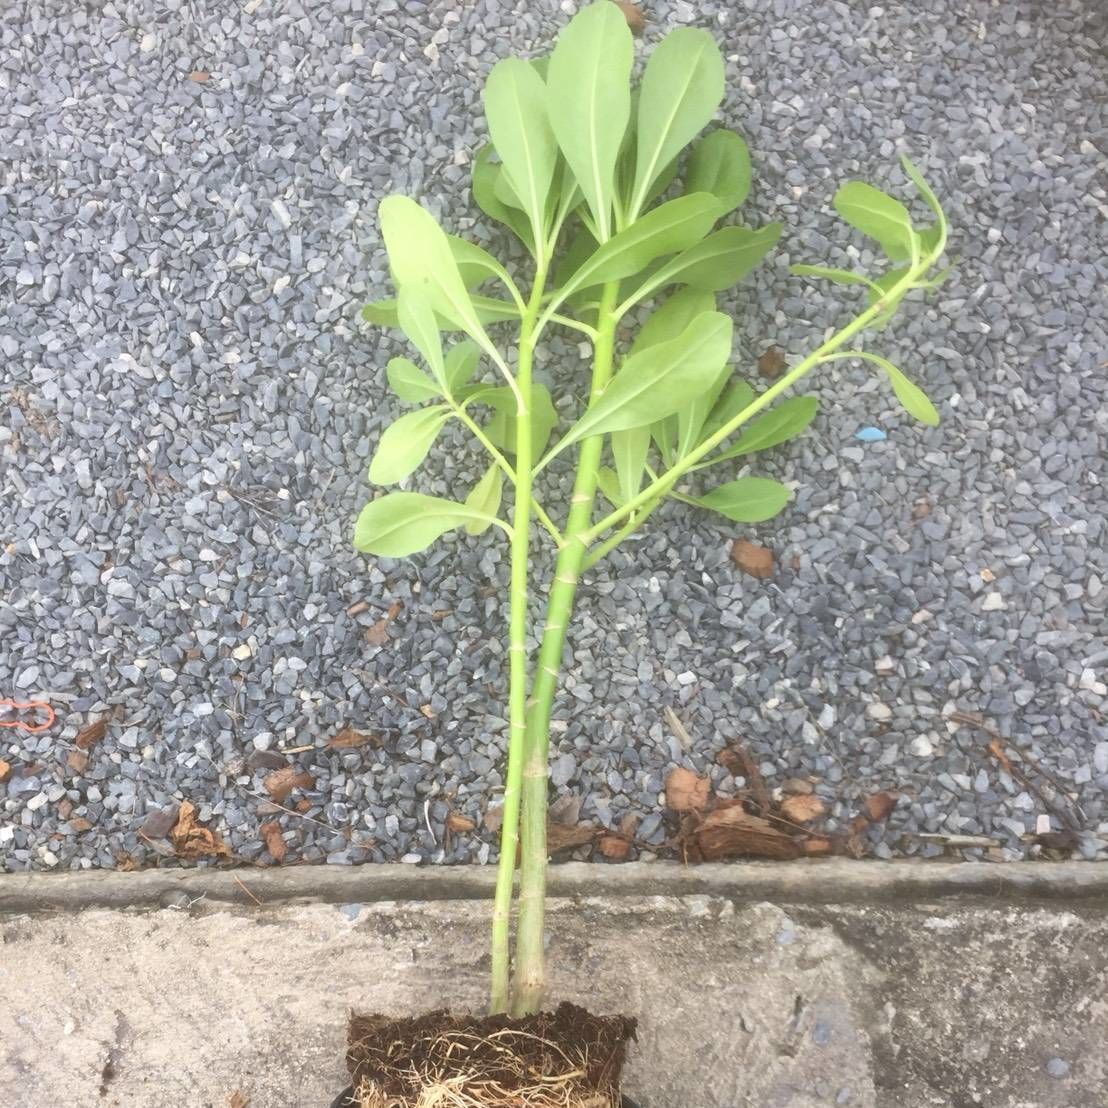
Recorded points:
(752,558)
(686,791)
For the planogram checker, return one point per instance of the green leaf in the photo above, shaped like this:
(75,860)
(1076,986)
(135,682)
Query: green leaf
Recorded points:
(838,276)
(784,422)
(608,483)
(589,101)
(666,229)
(403,523)
(912,398)
(484,497)
(659,381)
(476,264)
(486,173)
(929,238)
(681,89)
(581,248)
(629,452)
(737,397)
(665,323)
(501,428)
(461,364)
(747,500)
(420,254)
(515,105)
(925,190)
(691,418)
(664,434)
(719,261)
(671,317)
(381,313)
(489,309)
(877,214)
(405,444)
(409,382)
(417,320)
(720,164)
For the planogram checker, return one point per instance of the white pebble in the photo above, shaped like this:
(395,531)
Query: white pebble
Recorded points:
(993,602)
(880,712)
(921,747)
(280,210)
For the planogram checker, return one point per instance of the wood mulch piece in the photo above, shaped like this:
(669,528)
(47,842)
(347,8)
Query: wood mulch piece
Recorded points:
(567,1058)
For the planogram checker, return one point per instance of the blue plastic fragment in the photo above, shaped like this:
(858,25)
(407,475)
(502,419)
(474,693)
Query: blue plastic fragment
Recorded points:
(870,434)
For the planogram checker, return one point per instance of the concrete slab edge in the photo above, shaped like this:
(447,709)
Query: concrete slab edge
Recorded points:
(830,881)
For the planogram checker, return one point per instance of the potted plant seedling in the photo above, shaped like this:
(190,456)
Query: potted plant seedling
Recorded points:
(624,208)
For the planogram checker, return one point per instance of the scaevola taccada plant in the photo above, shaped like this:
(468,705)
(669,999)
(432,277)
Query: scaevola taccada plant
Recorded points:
(622,204)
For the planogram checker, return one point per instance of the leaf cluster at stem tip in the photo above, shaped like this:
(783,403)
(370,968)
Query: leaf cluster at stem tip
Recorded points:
(629,192)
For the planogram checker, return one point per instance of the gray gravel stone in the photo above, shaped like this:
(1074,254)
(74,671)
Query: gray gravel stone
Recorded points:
(190,404)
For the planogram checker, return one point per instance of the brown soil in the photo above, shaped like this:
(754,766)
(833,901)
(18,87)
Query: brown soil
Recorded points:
(562,1059)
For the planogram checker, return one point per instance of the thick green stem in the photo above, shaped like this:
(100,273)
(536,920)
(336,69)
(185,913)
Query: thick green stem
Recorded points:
(517,661)
(530,974)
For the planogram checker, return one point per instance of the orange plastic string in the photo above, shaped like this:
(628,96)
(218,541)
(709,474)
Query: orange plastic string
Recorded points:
(27,706)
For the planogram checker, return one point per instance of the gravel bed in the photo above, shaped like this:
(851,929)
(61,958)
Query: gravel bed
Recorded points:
(187,228)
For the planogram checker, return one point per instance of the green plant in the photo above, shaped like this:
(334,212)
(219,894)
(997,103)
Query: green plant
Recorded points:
(591,179)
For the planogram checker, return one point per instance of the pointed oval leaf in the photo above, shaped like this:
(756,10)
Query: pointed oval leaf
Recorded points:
(691,418)
(461,364)
(629,452)
(720,164)
(420,254)
(489,309)
(486,174)
(485,498)
(925,191)
(609,485)
(515,105)
(381,313)
(735,398)
(589,101)
(877,214)
(664,434)
(784,422)
(403,523)
(665,230)
(671,317)
(912,398)
(747,500)
(410,383)
(722,259)
(667,322)
(405,444)
(837,276)
(681,89)
(418,321)
(659,381)
(475,263)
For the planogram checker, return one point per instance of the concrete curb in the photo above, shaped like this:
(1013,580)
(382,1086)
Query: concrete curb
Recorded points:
(831,881)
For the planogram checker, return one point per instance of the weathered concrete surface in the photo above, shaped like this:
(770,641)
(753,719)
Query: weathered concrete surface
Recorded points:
(952,1004)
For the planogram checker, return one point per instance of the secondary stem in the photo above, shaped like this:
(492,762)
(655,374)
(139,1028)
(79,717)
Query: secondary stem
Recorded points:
(660,486)
(517,660)
(530,972)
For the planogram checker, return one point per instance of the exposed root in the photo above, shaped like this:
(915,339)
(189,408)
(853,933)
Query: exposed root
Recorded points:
(562,1059)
